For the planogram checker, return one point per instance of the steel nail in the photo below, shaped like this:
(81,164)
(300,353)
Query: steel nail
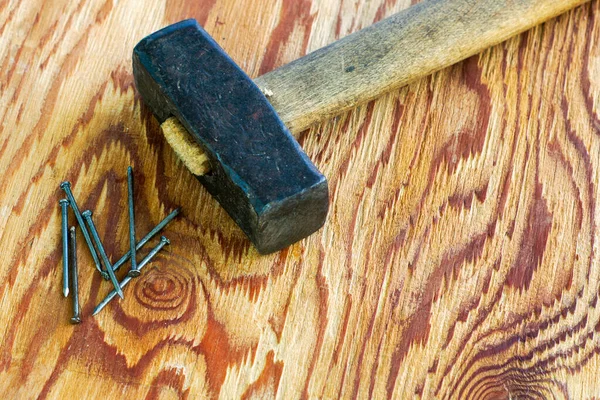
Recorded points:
(163,242)
(66,186)
(64,204)
(147,238)
(134,271)
(74,278)
(87,214)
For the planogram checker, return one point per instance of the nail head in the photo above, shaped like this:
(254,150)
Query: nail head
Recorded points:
(134,273)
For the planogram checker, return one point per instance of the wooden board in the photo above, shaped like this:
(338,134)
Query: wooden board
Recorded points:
(461,258)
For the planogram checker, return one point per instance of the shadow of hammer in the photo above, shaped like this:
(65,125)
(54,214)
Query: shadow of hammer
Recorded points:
(234,134)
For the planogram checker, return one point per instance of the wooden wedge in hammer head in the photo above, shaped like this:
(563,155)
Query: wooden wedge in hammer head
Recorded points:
(238,142)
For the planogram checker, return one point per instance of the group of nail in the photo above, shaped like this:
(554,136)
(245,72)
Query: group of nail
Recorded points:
(94,244)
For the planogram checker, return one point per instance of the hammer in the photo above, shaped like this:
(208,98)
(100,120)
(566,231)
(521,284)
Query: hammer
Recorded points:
(235,134)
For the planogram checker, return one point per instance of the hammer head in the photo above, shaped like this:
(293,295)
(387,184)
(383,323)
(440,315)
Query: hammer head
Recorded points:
(259,173)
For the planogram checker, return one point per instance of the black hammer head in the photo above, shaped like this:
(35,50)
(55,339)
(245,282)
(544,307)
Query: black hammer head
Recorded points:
(259,173)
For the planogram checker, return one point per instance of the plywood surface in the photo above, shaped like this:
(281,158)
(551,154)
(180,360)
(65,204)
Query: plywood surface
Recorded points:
(461,257)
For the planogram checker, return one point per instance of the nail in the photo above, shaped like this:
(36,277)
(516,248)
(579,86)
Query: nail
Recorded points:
(64,204)
(134,271)
(74,278)
(147,238)
(88,218)
(163,242)
(66,186)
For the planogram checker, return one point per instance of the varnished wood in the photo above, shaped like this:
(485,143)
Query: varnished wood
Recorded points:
(460,258)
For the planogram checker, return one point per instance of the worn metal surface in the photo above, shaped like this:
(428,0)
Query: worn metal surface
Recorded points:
(260,175)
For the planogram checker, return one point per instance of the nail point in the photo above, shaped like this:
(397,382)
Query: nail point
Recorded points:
(66,292)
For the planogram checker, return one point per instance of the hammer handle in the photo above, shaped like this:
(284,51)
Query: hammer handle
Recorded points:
(411,44)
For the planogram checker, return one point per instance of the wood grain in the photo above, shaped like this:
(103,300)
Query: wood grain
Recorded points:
(460,258)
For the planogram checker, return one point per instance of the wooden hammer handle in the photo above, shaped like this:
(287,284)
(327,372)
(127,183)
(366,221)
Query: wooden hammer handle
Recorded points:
(411,44)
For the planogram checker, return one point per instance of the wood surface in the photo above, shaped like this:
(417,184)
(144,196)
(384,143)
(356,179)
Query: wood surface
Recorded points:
(461,257)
